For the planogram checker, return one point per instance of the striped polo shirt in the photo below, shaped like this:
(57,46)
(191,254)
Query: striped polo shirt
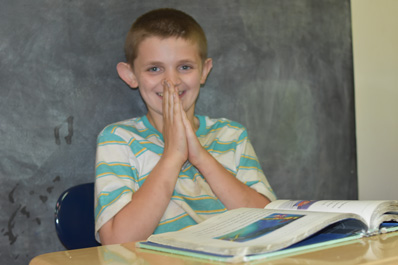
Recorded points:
(127,152)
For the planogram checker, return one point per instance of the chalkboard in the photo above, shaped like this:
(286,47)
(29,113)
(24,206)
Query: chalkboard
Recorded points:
(282,68)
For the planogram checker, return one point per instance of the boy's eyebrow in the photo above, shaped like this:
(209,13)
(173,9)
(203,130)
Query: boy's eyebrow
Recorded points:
(187,61)
(178,62)
(153,63)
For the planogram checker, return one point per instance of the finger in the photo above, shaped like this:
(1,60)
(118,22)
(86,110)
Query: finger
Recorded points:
(165,101)
(170,103)
(177,105)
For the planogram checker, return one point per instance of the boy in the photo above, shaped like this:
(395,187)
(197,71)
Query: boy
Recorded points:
(170,169)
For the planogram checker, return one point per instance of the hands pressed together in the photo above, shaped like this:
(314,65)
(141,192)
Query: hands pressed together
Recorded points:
(179,135)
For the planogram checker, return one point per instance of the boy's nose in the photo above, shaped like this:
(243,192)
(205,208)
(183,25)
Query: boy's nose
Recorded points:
(174,77)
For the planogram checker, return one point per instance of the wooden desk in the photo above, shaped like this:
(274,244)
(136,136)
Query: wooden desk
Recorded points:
(381,249)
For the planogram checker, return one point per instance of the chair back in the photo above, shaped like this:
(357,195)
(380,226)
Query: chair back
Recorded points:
(74,217)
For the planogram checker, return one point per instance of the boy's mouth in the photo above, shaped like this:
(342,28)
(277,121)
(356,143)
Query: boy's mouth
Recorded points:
(180,93)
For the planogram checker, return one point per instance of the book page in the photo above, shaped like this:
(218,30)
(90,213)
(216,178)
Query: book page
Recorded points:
(246,230)
(366,209)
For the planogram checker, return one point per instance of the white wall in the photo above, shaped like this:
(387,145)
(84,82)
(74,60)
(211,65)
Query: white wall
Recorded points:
(375,41)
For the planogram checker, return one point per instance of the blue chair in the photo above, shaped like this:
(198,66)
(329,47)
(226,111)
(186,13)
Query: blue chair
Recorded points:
(74,217)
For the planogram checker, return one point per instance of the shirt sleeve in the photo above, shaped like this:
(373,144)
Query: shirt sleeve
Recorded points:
(115,176)
(249,170)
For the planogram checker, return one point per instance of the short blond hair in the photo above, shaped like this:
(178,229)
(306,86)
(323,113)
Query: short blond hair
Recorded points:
(164,23)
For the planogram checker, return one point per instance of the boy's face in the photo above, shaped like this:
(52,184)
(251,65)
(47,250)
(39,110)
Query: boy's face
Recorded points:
(172,59)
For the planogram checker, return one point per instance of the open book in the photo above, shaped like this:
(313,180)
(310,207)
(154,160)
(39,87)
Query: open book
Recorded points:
(284,227)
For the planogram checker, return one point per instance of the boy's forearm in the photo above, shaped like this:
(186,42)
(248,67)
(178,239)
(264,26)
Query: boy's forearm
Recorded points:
(232,192)
(140,217)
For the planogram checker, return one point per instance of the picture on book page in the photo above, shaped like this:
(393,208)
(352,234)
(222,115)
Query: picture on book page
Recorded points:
(260,228)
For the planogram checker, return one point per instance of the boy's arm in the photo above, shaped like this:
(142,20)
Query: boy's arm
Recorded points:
(140,217)
(230,190)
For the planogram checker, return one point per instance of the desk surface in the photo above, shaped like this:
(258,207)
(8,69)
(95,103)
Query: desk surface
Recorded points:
(380,249)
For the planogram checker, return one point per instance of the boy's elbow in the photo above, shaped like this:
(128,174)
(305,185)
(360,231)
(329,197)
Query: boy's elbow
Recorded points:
(106,235)
(261,201)
(109,234)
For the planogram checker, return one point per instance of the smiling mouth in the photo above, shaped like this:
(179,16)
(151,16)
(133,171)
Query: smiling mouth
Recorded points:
(180,93)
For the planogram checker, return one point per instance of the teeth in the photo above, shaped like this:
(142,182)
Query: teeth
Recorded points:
(161,93)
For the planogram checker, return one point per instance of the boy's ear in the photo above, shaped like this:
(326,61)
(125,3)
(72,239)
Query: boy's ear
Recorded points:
(207,65)
(126,74)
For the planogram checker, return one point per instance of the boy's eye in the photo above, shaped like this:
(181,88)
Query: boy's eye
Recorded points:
(154,69)
(186,67)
